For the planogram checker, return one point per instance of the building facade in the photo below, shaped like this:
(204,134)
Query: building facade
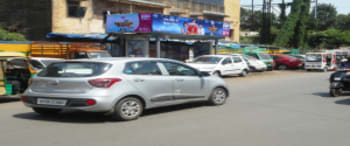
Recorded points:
(36,18)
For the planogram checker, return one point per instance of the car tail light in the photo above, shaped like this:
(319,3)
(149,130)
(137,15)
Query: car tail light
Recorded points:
(104,82)
(24,98)
(90,102)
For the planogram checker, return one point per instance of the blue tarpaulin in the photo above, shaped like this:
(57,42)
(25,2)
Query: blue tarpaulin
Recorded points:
(78,37)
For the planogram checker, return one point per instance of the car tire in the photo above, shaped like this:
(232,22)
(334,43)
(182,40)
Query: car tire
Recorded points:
(127,109)
(217,73)
(218,96)
(46,111)
(244,73)
(282,67)
(336,92)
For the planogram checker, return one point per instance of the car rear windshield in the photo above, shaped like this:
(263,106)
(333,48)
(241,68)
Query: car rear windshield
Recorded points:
(208,60)
(75,69)
(314,58)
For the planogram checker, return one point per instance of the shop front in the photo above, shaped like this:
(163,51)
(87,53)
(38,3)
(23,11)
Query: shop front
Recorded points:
(157,35)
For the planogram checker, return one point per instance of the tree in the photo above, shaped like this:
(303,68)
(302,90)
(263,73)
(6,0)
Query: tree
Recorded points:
(287,31)
(8,36)
(283,14)
(325,17)
(343,22)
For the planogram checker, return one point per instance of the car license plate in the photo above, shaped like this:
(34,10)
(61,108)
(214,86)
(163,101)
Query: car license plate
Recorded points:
(337,79)
(58,102)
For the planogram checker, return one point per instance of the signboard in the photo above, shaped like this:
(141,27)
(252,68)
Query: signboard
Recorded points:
(141,22)
(158,23)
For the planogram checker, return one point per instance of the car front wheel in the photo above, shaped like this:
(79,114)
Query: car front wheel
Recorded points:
(218,97)
(127,109)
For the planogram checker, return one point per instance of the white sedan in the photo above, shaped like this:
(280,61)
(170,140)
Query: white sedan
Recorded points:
(255,64)
(221,65)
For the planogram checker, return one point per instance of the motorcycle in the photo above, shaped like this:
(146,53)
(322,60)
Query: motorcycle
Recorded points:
(339,82)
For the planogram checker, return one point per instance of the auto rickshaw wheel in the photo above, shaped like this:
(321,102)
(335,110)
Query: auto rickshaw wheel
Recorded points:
(336,92)
(325,69)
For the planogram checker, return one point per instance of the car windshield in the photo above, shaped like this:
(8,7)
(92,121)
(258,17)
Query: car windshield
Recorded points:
(74,69)
(265,56)
(98,54)
(314,58)
(250,57)
(208,60)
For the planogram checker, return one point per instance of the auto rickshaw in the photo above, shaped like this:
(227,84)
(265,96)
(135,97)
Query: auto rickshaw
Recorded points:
(322,61)
(15,72)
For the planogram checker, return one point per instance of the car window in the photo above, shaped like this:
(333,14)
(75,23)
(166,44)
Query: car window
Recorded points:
(142,68)
(227,61)
(36,64)
(237,59)
(175,69)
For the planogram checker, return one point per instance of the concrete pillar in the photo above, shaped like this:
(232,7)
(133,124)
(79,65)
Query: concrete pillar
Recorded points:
(216,46)
(146,42)
(158,47)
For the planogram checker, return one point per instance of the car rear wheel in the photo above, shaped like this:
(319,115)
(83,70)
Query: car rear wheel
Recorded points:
(218,97)
(244,73)
(46,111)
(129,108)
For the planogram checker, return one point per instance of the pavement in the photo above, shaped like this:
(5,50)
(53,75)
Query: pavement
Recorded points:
(279,108)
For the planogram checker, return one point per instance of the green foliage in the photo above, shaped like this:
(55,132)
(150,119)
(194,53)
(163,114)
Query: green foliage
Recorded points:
(325,18)
(329,39)
(343,22)
(8,36)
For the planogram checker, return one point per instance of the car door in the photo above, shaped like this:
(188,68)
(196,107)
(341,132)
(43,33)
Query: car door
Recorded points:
(277,59)
(147,78)
(238,65)
(227,66)
(188,85)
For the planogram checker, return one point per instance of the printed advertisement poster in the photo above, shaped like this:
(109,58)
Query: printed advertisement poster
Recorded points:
(121,23)
(189,26)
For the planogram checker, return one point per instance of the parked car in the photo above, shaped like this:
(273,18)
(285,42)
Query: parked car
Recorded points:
(122,87)
(286,61)
(221,65)
(255,64)
(302,57)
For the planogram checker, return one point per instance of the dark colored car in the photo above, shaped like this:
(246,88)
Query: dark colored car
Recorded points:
(287,61)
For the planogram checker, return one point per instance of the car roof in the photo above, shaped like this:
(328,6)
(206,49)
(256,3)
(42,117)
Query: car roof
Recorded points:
(221,55)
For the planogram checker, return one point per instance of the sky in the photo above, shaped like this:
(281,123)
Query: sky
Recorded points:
(343,6)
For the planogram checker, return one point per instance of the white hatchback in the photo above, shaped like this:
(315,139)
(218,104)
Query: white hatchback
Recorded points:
(221,65)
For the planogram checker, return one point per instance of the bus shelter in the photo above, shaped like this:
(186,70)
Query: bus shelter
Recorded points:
(135,32)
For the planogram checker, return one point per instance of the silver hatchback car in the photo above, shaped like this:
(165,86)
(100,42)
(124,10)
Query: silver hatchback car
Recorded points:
(122,87)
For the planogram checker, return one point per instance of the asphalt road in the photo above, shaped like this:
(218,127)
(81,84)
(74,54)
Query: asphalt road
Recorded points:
(289,108)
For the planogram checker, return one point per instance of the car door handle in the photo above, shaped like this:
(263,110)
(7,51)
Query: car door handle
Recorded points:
(180,80)
(139,80)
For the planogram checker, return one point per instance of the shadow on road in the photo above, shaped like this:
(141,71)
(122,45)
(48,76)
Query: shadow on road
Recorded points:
(173,108)
(344,101)
(66,117)
(7,100)
(91,118)
(322,94)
